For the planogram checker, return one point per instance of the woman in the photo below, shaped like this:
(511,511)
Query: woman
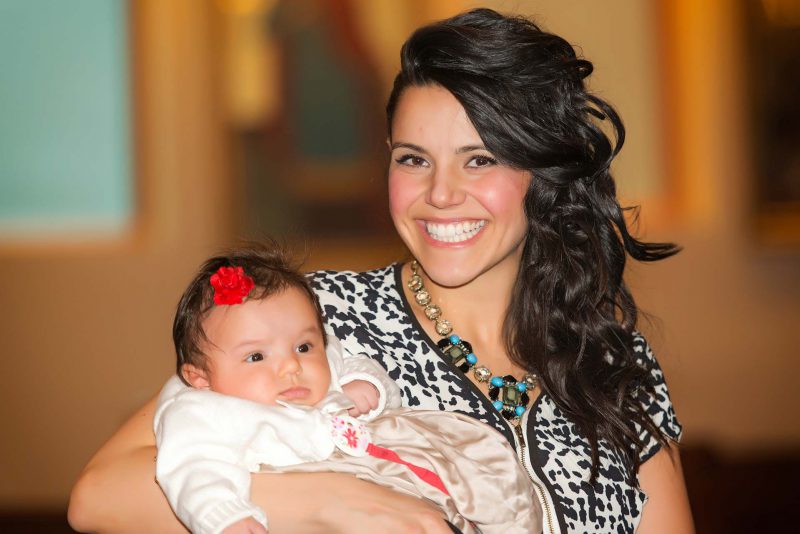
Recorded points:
(499,185)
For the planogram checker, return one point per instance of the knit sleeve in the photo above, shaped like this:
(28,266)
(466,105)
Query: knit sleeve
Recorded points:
(658,405)
(198,466)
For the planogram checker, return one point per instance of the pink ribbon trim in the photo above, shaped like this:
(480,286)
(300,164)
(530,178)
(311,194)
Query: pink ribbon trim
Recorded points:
(426,475)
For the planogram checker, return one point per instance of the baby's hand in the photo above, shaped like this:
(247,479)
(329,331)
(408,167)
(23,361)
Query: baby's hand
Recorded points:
(248,525)
(364,395)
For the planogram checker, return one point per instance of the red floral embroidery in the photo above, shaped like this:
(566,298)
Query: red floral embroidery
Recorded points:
(230,285)
(352,437)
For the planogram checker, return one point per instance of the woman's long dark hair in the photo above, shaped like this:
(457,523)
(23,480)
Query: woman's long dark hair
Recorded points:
(572,317)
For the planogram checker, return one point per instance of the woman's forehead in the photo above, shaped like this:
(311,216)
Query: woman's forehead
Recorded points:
(432,115)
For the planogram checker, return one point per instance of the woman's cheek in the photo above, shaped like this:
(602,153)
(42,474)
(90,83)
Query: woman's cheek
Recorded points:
(503,194)
(400,194)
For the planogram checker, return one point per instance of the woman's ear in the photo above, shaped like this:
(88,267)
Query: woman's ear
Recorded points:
(197,377)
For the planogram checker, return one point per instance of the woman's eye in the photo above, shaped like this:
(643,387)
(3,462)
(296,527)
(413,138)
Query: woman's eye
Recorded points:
(481,161)
(255,357)
(305,347)
(411,160)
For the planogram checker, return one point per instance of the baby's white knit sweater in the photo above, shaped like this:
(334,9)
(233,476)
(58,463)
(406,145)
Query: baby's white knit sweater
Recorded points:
(209,443)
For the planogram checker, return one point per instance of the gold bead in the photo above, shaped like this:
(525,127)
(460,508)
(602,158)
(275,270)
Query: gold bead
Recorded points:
(531,380)
(482,374)
(443,327)
(433,312)
(422,297)
(415,283)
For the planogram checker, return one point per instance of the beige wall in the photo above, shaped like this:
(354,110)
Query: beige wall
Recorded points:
(86,327)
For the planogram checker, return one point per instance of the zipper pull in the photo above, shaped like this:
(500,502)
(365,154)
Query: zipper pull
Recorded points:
(520,434)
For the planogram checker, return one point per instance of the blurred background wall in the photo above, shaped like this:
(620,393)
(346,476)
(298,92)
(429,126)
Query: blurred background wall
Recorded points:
(253,117)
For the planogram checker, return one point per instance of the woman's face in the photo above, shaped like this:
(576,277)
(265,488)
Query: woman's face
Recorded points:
(457,209)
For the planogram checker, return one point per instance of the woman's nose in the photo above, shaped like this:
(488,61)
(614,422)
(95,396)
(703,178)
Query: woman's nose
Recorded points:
(444,190)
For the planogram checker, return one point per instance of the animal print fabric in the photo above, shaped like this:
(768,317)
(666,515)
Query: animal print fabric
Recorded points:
(369,314)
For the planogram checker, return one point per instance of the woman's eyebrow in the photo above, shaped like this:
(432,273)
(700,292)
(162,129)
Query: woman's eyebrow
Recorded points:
(470,148)
(410,146)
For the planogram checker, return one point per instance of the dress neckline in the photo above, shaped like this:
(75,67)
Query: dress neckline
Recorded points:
(460,377)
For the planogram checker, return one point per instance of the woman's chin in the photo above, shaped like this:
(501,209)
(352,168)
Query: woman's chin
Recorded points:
(450,274)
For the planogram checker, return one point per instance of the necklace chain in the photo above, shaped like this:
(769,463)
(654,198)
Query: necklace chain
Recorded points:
(509,395)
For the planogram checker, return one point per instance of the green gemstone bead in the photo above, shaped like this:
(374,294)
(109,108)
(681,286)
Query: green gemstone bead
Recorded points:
(511,395)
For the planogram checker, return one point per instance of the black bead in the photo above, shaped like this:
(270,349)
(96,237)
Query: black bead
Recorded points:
(510,380)
(464,367)
(467,345)
(507,415)
(525,399)
(494,393)
(443,343)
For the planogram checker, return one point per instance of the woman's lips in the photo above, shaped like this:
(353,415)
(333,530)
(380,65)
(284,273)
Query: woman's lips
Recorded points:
(295,393)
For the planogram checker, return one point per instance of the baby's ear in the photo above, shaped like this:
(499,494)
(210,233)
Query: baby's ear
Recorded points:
(197,377)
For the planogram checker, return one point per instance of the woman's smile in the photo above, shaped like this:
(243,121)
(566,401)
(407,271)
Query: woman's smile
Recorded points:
(459,232)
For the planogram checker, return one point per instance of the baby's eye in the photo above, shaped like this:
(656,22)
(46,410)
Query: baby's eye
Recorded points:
(255,357)
(305,347)
(481,161)
(412,160)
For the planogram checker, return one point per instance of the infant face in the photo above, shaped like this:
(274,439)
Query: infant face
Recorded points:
(267,350)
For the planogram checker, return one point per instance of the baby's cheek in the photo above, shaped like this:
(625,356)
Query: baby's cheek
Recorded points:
(322,375)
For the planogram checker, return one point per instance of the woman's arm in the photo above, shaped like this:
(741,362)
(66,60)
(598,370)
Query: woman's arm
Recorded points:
(667,509)
(117,492)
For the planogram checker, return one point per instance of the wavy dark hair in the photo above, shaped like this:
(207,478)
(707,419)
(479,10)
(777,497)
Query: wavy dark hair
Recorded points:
(571,319)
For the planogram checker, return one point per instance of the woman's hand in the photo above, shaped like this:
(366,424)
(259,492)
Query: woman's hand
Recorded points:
(336,502)
(248,525)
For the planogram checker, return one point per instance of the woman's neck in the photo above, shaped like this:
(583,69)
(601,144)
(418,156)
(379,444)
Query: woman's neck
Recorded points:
(477,309)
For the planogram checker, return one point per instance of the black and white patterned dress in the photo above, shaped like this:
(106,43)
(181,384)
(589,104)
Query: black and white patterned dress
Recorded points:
(369,314)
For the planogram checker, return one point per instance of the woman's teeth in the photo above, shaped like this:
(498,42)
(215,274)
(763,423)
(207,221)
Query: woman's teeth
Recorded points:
(454,232)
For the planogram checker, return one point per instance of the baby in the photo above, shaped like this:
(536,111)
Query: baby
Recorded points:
(269,392)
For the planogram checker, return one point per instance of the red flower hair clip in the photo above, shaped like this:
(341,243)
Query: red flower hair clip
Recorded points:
(230,285)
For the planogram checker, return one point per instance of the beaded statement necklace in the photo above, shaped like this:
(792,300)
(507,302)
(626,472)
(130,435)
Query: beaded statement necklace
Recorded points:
(509,395)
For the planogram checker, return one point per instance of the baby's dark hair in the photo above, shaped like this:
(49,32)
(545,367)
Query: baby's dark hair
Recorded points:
(269,265)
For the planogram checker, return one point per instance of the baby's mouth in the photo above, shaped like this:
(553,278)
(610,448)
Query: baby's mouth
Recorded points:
(295,393)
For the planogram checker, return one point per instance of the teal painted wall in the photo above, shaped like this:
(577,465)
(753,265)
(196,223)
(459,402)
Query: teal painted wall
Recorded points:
(65,119)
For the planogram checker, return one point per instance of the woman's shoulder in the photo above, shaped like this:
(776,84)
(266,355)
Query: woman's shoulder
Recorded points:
(656,402)
(367,303)
(347,284)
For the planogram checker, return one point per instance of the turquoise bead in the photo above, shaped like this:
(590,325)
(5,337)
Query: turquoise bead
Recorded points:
(522,387)
(497,382)
(455,340)
(519,410)
(498,405)
(471,358)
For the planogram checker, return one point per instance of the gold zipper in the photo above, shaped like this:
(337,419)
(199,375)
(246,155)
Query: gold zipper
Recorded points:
(539,489)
